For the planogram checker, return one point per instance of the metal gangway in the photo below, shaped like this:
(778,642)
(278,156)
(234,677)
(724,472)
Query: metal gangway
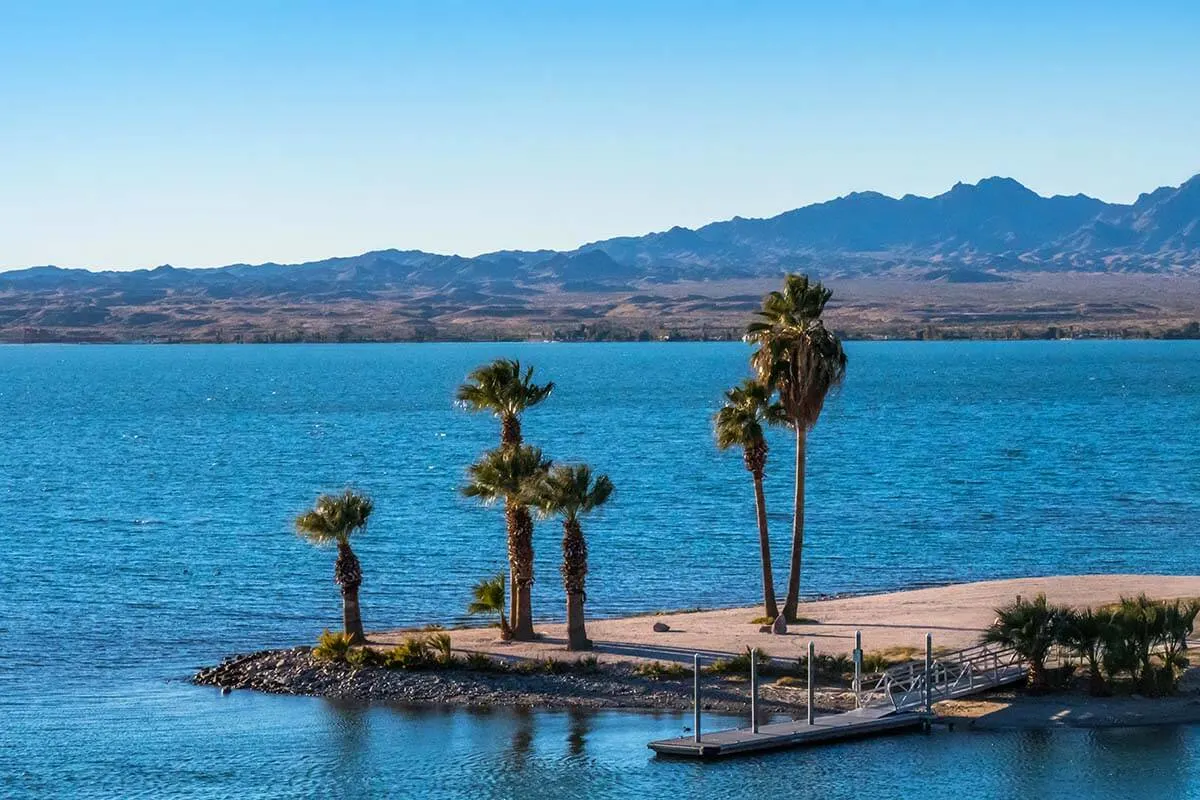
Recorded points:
(949,676)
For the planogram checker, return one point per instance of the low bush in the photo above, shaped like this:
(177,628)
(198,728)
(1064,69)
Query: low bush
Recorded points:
(482,662)
(587,664)
(440,649)
(658,671)
(412,653)
(739,664)
(333,646)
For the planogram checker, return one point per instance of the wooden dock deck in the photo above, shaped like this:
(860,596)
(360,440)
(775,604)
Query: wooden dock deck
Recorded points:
(828,728)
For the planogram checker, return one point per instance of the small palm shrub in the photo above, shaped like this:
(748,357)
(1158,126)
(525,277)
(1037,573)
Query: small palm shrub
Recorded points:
(481,662)
(1031,627)
(412,653)
(587,664)
(440,649)
(739,664)
(333,646)
(552,666)
(365,657)
(1087,634)
(1148,641)
(658,671)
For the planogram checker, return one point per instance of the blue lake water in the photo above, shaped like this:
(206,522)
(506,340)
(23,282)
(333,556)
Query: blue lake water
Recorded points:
(146,494)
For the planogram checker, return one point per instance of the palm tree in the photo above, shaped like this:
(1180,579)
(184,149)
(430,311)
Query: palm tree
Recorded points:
(739,423)
(332,521)
(508,473)
(569,491)
(503,390)
(1086,634)
(1030,628)
(489,599)
(803,360)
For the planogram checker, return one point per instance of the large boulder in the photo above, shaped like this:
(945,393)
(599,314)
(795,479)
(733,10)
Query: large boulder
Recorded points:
(779,626)
(661,627)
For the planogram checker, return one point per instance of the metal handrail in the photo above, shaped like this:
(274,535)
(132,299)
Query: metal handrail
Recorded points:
(971,669)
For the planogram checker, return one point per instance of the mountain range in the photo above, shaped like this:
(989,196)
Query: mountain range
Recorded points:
(996,230)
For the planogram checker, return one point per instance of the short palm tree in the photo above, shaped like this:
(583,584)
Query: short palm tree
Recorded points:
(1086,634)
(740,423)
(1031,628)
(801,359)
(502,389)
(509,473)
(333,520)
(488,598)
(569,492)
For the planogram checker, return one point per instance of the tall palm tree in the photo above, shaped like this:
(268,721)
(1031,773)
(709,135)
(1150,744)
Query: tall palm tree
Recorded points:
(739,423)
(570,491)
(802,360)
(488,598)
(332,521)
(502,389)
(508,473)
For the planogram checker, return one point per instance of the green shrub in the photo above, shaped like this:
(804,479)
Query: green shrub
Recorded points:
(658,671)
(739,664)
(412,653)
(552,666)
(364,657)
(332,646)
(482,662)
(587,664)
(440,649)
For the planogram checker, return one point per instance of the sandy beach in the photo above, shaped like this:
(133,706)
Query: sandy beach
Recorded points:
(955,615)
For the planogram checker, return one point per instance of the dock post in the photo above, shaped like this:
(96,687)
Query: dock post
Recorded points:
(696,694)
(928,672)
(858,658)
(812,657)
(754,690)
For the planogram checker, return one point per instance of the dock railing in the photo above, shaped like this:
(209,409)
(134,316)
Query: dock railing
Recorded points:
(974,669)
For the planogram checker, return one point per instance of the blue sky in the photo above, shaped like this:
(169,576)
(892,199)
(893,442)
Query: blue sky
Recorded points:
(135,134)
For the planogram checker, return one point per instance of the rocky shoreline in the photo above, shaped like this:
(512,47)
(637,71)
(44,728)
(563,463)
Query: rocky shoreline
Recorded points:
(297,672)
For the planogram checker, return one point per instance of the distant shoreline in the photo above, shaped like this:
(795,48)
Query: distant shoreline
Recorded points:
(1173,336)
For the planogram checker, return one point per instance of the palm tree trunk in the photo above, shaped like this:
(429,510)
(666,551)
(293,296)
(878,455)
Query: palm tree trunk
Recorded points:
(764,545)
(520,560)
(510,431)
(352,615)
(576,633)
(574,574)
(793,593)
(514,610)
(347,573)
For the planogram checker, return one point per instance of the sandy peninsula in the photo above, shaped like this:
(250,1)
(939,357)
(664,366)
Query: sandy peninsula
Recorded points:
(955,615)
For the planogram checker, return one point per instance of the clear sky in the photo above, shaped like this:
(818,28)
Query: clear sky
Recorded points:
(205,133)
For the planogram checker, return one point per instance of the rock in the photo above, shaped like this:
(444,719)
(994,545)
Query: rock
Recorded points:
(661,627)
(779,626)
(764,629)
(226,690)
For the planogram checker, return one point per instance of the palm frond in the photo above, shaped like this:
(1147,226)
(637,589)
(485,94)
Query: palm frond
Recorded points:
(570,490)
(502,388)
(335,517)
(506,473)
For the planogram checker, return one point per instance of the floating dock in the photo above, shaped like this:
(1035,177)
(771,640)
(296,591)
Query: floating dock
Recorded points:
(829,728)
(901,699)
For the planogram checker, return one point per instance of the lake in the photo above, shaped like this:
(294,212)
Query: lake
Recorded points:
(147,494)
